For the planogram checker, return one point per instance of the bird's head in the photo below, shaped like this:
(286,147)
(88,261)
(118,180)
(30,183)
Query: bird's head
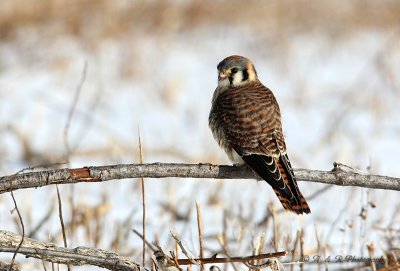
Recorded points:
(235,71)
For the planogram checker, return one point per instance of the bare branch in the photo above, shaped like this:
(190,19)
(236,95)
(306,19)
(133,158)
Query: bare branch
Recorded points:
(185,250)
(340,175)
(143,204)
(72,110)
(60,215)
(167,261)
(78,256)
(200,230)
(151,246)
(18,247)
(235,259)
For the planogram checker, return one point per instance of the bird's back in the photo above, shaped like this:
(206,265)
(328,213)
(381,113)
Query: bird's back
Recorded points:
(246,120)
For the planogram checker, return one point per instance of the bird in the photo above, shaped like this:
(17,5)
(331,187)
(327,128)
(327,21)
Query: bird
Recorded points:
(245,120)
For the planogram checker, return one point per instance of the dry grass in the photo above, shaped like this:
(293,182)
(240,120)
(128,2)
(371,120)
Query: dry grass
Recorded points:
(102,19)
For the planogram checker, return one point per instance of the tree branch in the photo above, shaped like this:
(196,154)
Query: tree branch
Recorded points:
(340,175)
(78,256)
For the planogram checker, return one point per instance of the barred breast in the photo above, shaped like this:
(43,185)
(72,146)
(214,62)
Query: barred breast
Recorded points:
(247,116)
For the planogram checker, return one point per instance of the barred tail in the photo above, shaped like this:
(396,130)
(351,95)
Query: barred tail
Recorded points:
(279,174)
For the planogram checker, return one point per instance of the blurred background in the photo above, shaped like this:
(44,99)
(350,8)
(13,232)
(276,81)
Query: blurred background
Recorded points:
(80,79)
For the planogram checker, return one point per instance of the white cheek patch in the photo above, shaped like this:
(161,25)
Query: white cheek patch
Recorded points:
(238,79)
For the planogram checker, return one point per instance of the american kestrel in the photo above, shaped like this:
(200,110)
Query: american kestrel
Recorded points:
(246,122)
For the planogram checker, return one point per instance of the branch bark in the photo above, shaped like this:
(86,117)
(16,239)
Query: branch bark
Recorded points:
(78,256)
(340,175)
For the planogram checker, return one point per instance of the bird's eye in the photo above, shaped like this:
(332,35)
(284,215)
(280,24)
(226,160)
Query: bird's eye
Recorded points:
(234,70)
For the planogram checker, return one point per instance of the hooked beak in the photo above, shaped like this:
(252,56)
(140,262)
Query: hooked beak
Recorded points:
(222,76)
